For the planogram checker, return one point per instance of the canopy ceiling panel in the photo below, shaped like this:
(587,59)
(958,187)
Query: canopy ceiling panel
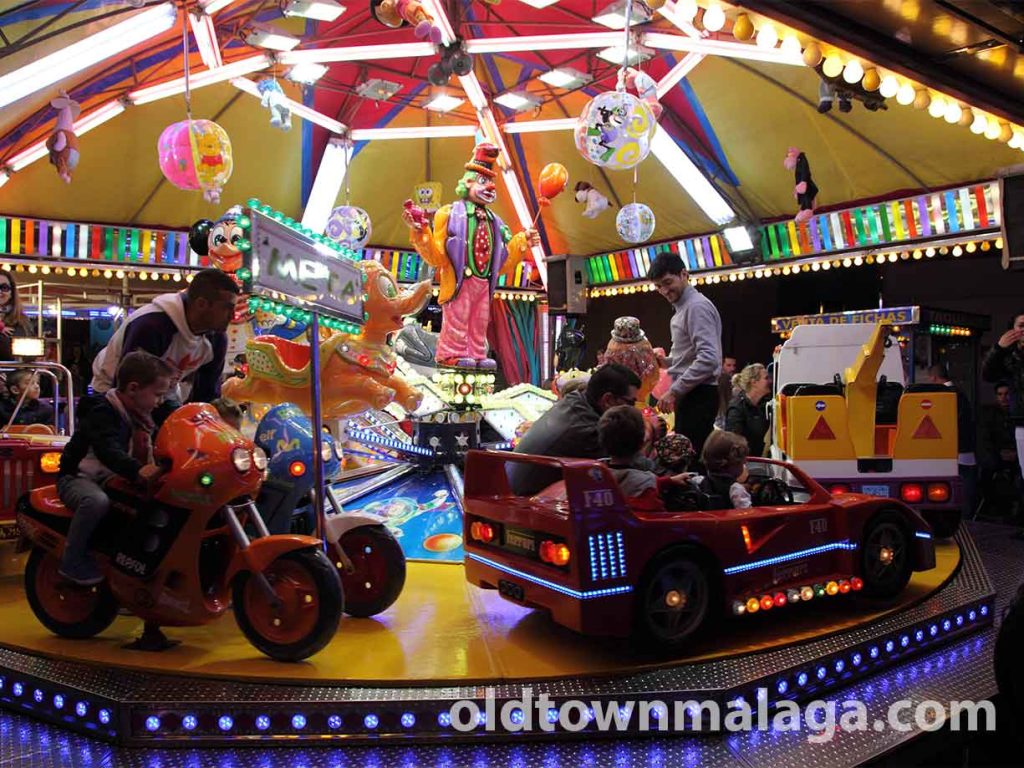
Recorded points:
(734,118)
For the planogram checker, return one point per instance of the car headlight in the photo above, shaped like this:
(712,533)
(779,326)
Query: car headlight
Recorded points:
(242,459)
(325,451)
(259,458)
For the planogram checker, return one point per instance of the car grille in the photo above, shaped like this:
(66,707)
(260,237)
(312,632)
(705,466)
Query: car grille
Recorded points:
(17,477)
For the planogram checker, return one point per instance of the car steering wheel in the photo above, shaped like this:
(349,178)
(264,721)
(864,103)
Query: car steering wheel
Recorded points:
(773,492)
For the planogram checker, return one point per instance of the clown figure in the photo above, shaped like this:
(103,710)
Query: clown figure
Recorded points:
(471,248)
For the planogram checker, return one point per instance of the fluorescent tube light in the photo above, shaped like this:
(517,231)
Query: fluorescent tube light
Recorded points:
(73,58)
(417,132)
(670,42)
(682,68)
(199,80)
(212,6)
(443,102)
(301,110)
(540,126)
(565,77)
(321,10)
(436,9)
(475,94)
(326,186)
(566,42)
(266,36)
(690,178)
(205,35)
(306,73)
(358,53)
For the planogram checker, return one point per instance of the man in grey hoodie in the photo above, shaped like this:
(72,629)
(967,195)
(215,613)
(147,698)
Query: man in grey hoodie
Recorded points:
(188,330)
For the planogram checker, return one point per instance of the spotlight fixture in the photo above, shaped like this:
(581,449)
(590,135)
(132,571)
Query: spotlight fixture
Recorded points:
(614,16)
(519,101)
(377,89)
(266,36)
(617,55)
(306,73)
(565,77)
(443,102)
(321,10)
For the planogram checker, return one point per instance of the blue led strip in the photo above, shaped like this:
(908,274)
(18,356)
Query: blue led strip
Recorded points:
(362,436)
(922,535)
(587,595)
(620,553)
(593,558)
(842,545)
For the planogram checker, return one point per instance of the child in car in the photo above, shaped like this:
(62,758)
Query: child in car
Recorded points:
(32,411)
(725,458)
(114,437)
(621,434)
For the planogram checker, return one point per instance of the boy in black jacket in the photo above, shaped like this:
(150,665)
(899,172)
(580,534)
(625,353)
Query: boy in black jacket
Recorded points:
(113,438)
(32,411)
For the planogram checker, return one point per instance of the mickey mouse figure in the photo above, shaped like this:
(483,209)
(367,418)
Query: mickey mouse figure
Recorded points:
(805,190)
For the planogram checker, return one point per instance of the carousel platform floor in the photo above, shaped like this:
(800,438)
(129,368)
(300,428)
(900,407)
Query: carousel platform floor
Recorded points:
(443,629)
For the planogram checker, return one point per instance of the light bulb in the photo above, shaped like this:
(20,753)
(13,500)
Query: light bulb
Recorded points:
(714,18)
(906,95)
(889,87)
(937,107)
(686,9)
(791,45)
(953,113)
(992,130)
(767,37)
(833,66)
(853,72)
(980,124)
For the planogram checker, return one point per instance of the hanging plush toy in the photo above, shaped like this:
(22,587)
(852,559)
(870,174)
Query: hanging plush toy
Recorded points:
(393,13)
(805,190)
(595,202)
(273,98)
(644,86)
(63,143)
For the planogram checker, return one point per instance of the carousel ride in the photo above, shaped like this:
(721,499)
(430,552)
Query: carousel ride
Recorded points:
(395,676)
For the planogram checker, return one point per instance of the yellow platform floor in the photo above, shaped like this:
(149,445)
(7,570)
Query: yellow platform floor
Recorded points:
(442,629)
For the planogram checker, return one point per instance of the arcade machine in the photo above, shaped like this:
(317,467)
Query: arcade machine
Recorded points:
(409,466)
(948,337)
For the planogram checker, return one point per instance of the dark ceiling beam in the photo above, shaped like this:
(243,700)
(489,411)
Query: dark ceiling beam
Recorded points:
(825,22)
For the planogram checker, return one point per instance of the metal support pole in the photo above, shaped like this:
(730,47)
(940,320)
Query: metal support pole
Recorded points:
(318,436)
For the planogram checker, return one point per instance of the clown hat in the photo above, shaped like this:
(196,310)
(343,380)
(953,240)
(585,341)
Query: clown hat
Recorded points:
(484,157)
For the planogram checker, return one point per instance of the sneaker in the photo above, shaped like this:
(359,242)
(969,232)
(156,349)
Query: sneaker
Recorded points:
(84,574)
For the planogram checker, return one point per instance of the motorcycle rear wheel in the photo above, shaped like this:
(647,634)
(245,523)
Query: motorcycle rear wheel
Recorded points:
(63,607)
(379,573)
(311,602)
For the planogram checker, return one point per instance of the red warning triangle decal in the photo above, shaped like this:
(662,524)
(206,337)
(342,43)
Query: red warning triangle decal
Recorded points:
(822,431)
(927,430)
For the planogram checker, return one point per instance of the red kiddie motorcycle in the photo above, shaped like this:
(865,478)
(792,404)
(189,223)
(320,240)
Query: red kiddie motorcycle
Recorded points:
(181,556)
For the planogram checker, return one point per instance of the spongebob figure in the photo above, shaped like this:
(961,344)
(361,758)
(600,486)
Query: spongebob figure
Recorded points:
(427,195)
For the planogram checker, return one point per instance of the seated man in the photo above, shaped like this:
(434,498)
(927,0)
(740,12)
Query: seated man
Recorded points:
(569,428)
(32,411)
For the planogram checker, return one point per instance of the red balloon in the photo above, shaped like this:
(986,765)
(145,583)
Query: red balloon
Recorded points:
(553,180)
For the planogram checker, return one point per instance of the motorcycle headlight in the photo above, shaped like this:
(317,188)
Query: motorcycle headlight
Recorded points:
(325,451)
(242,459)
(338,451)
(259,458)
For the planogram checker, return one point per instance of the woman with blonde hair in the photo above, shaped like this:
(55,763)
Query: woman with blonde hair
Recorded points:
(12,317)
(746,413)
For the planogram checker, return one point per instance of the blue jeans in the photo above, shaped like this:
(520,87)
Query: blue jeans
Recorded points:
(90,504)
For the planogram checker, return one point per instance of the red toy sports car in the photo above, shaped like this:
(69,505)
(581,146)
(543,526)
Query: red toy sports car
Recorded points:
(599,567)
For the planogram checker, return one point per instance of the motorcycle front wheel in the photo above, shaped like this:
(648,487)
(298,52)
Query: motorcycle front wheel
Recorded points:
(305,615)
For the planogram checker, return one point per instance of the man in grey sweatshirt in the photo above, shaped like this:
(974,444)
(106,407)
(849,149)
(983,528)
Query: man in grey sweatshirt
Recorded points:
(695,361)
